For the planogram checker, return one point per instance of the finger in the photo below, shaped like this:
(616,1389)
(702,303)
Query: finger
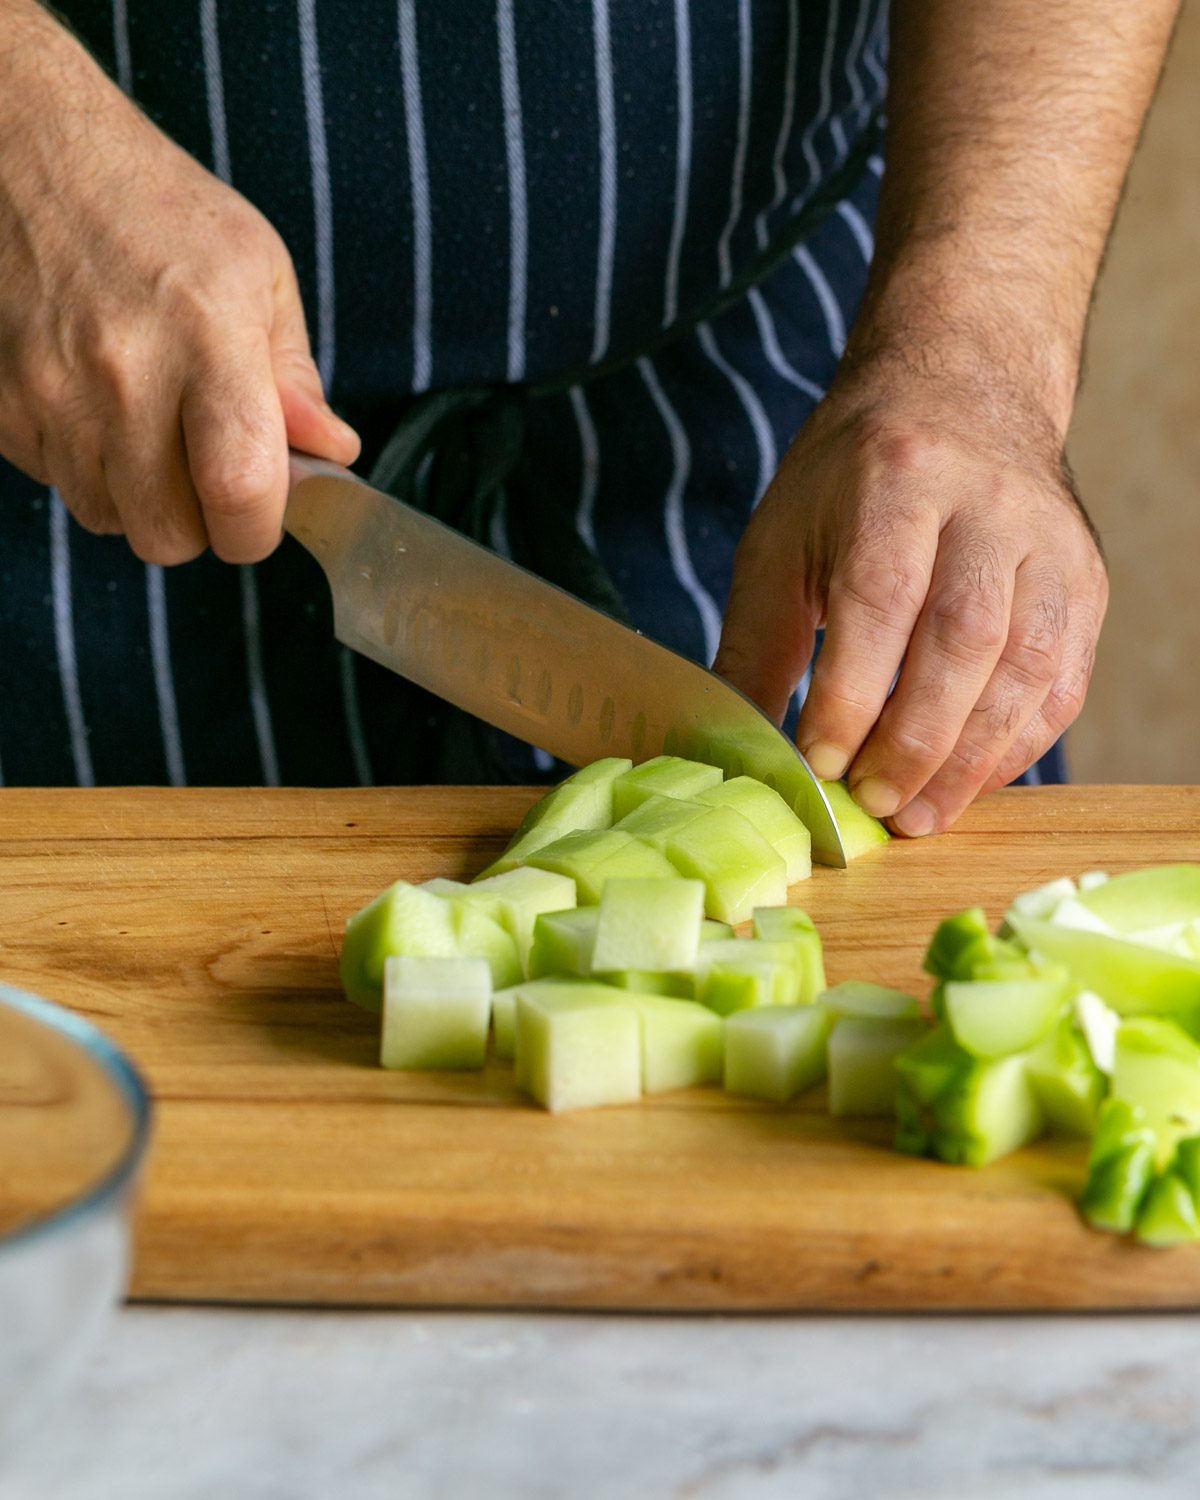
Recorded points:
(1013,696)
(152,490)
(1061,705)
(770,619)
(311,425)
(876,592)
(77,472)
(236,447)
(954,649)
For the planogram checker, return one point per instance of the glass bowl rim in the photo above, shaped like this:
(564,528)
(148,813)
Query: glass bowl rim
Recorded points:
(129,1083)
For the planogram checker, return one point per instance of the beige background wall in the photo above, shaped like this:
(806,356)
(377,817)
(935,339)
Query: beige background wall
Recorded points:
(1135,448)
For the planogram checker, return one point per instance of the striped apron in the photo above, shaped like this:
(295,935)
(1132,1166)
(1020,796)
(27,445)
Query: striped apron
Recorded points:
(597,197)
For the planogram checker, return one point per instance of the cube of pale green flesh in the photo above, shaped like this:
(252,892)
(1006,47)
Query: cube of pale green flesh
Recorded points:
(996,1017)
(859,830)
(1168,1214)
(739,868)
(664,776)
(856,997)
(577,1046)
(405,919)
(1064,1077)
(435,1012)
(563,942)
(1157,1067)
(504,1023)
(582,800)
(649,924)
(764,809)
(674,986)
(682,1043)
(743,972)
(1120,1167)
(862,1063)
(591,859)
(659,815)
(788,924)
(959,1108)
(776,1052)
(518,897)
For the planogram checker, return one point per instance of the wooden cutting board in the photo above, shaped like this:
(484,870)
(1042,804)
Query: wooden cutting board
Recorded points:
(201,929)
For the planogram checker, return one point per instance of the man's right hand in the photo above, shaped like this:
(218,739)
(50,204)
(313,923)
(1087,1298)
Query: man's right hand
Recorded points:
(154,361)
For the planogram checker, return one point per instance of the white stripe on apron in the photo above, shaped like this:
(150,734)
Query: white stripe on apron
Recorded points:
(518,208)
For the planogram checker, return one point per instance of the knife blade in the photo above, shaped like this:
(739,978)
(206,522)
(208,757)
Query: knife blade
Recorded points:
(520,653)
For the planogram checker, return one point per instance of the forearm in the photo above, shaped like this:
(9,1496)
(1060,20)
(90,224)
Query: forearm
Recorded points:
(1010,128)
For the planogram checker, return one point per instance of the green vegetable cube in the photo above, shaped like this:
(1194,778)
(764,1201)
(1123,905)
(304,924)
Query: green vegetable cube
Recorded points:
(739,868)
(583,800)
(860,832)
(744,972)
(766,810)
(1158,1068)
(435,1012)
(996,1017)
(1066,1081)
(518,897)
(862,1054)
(563,942)
(591,859)
(788,924)
(647,982)
(664,776)
(682,1043)
(404,919)
(856,997)
(658,815)
(1120,1166)
(577,1046)
(649,924)
(1168,1213)
(775,1053)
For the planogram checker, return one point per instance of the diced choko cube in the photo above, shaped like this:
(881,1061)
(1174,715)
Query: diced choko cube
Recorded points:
(960,1108)
(518,897)
(577,1046)
(435,1012)
(1139,900)
(659,815)
(1121,1166)
(962,947)
(856,997)
(859,830)
(1068,1084)
(996,1017)
(1157,1067)
(647,982)
(1168,1213)
(788,924)
(649,924)
(862,1070)
(563,942)
(744,972)
(405,919)
(593,858)
(776,1052)
(766,810)
(664,776)
(583,800)
(682,1043)
(739,868)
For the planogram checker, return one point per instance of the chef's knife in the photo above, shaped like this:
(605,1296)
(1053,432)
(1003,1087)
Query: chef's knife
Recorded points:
(520,653)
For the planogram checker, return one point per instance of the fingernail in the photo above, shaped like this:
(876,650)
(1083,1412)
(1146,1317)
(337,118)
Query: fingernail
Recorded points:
(918,819)
(827,760)
(876,796)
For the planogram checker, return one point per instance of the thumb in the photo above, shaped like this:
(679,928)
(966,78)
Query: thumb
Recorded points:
(312,426)
(770,621)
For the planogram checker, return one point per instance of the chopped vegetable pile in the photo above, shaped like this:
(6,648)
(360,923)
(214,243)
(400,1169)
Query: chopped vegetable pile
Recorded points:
(599,953)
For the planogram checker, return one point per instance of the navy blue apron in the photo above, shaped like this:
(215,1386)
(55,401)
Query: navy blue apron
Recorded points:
(653,215)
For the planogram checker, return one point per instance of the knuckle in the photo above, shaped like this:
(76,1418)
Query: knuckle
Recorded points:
(918,743)
(883,590)
(904,451)
(234,487)
(969,627)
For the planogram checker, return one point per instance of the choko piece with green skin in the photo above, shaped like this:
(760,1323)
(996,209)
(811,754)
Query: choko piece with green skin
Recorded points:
(682,1043)
(960,1108)
(563,942)
(764,809)
(996,1017)
(649,924)
(659,815)
(856,997)
(1168,1213)
(663,776)
(1066,1081)
(1157,1067)
(594,857)
(405,919)
(776,1052)
(435,1012)
(859,830)
(739,868)
(741,973)
(1121,1166)
(862,1062)
(788,924)
(583,800)
(516,899)
(577,1046)
(1145,900)
(962,947)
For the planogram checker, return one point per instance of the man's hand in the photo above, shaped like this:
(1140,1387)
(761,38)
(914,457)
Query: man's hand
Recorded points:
(924,515)
(154,362)
(935,539)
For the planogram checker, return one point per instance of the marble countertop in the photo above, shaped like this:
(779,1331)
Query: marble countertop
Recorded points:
(193,1403)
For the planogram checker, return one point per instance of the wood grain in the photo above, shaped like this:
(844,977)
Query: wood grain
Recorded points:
(201,928)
